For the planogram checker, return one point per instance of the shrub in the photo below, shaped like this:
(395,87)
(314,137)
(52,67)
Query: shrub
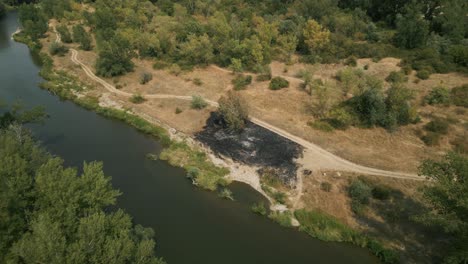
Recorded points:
(198,102)
(325,186)
(321,125)
(259,208)
(438,125)
(423,74)
(438,95)
(360,193)
(192,173)
(137,99)
(226,194)
(282,218)
(396,77)
(459,95)
(234,111)
(366,67)
(241,82)
(384,254)
(64,33)
(278,83)
(175,69)
(58,49)
(351,61)
(146,77)
(197,82)
(178,110)
(341,118)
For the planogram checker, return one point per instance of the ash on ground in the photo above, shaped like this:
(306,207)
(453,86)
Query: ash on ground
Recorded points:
(254,145)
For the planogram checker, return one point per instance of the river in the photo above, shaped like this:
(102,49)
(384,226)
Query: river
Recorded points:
(191,225)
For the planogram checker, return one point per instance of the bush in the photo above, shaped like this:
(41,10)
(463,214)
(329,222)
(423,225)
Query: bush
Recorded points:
(396,77)
(438,95)
(178,110)
(137,99)
(241,82)
(459,95)
(282,218)
(198,102)
(325,186)
(146,77)
(360,193)
(321,125)
(197,82)
(58,49)
(259,208)
(234,111)
(278,83)
(263,77)
(226,194)
(351,61)
(423,74)
(341,118)
(438,125)
(64,33)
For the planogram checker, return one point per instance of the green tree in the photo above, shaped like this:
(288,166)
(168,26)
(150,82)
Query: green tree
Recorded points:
(197,50)
(82,37)
(315,36)
(447,195)
(33,20)
(64,33)
(115,57)
(412,29)
(50,214)
(234,111)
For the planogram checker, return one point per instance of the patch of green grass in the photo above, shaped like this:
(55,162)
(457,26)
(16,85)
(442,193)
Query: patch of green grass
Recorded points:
(209,176)
(325,227)
(282,218)
(259,208)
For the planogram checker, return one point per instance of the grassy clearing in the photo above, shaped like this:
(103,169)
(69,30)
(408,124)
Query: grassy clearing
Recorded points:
(205,174)
(325,227)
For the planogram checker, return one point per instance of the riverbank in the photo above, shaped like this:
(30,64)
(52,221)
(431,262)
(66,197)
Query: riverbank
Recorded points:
(69,88)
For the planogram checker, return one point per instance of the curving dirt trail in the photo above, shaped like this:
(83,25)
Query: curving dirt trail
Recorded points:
(324,159)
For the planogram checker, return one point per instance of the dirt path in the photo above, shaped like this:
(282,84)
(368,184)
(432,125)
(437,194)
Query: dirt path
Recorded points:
(318,156)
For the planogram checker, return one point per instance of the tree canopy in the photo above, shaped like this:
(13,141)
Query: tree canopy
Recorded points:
(50,213)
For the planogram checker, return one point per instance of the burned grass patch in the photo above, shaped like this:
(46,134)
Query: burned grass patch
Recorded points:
(254,145)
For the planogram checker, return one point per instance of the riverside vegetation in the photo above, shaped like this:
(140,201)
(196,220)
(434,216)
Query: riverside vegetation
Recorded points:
(50,213)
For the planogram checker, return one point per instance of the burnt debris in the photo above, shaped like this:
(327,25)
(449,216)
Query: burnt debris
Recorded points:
(254,145)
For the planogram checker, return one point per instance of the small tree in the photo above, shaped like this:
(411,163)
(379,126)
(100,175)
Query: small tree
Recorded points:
(315,36)
(234,111)
(82,37)
(146,77)
(278,83)
(64,33)
(198,102)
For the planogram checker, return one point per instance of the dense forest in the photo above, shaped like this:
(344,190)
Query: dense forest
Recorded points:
(50,213)
(429,35)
